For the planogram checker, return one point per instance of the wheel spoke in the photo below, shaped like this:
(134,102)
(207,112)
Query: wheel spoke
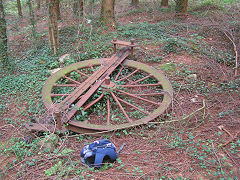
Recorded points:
(129,94)
(150,94)
(120,106)
(93,102)
(81,73)
(119,73)
(132,105)
(139,85)
(77,82)
(135,82)
(129,75)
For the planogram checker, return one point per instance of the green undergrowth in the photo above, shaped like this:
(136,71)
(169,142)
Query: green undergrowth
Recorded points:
(23,89)
(204,155)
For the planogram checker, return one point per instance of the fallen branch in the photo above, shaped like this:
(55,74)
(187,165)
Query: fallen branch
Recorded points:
(232,139)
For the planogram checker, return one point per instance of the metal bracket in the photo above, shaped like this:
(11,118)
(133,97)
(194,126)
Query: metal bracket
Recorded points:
(130,44)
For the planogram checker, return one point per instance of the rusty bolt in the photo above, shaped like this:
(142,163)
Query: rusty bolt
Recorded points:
(107,80)
(132,41)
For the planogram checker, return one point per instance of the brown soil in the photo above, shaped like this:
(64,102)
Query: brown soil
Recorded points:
(147,153)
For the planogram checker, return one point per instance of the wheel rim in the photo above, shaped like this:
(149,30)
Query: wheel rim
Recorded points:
(143,92)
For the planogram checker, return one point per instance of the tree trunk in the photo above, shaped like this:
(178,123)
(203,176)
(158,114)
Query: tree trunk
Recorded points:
(58,9)
(164,4)
(19,6)
(38,4)
(181,6)
(78,8)
(107,12)
(53,26)
(32,19)
(3,37)
(135,2)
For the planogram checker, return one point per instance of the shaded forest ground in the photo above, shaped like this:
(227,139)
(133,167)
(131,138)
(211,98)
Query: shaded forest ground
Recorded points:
(202,142)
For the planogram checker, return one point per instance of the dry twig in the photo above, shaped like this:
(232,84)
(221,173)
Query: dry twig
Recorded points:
(231,38)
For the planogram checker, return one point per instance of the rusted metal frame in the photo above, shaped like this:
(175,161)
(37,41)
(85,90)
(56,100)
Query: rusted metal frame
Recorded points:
(65,85)
(135,82)
(83,87)
(84,98)
(70,79)
(133,106)
(97,74)
(81,127)
(93,102)
(129,94)
(120,106)
(119,73)
(108,112)
(81,73)
(99,82)
(54,95)
(119,57)
(129,75)
(139,85)
(123,43)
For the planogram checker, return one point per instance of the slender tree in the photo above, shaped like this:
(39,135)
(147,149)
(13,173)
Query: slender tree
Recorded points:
(53,25)
(164,3)
(78,8)
(135,2)
(32,19)
(19,6)
(107,12)
(181,6)
(3,37)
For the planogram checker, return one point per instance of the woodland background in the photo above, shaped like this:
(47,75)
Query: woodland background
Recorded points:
(195,42)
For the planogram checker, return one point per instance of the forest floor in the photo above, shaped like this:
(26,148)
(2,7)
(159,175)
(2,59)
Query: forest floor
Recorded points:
(198,139)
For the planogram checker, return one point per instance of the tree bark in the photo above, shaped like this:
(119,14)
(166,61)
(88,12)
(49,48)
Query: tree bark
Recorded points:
(78,8)
(32,19)
(19,6)
(135,2)
(181,6)
(3,37)
(164,3)
(58,9)
(107,12)
(53,25)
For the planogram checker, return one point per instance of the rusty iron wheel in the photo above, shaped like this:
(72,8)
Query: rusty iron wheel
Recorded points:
(134,94)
